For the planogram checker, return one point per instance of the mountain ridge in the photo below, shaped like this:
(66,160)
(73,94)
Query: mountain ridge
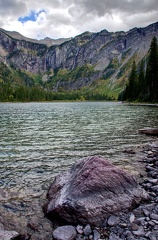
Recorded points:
(47,40)
(85,61)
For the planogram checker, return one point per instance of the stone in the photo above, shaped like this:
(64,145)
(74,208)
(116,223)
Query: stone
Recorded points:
(154,216)
(8,235)
(151,223)
(114,237)
(129,151)
(85,237)
(139,232)
(87,230)
(153,236)
(91,191)
(140,221)
(134,227)
(96,234)
(131,237)
(79,229)
(146,212)
(112,221)
(156,208)
(132,217)
(79,237)
(67,232)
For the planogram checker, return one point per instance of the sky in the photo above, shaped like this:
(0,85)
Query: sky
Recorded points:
(68,18)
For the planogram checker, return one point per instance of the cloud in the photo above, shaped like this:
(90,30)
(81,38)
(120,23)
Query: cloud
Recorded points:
(67,18)
(103,7)
(12,8)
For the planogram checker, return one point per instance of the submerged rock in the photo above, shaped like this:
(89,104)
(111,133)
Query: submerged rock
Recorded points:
(91,191)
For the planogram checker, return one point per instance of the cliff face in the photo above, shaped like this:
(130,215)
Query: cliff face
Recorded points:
(109,54)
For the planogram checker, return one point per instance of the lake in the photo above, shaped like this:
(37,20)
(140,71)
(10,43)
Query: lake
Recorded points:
(39,140)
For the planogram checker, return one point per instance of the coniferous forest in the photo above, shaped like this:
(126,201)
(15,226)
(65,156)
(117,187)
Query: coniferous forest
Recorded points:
(143,79)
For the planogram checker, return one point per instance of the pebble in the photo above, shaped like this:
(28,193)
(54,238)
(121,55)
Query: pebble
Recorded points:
(113,221)
(134,227)
(96,235)
(132,217)
(154,216)
(139,232)
(67,232)
(114,237)
(152,236)
(87,230)
(79,229)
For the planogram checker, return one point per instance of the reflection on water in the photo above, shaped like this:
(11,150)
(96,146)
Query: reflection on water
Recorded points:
(39,140)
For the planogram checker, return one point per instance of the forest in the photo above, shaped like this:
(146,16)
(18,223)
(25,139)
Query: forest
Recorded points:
(143,79)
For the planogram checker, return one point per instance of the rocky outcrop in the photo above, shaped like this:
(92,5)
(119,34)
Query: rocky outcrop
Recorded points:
(91,191)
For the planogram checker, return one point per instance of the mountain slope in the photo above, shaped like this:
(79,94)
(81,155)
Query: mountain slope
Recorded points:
(84,62)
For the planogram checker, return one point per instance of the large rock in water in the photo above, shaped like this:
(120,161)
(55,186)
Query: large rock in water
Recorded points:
(149,131)
(90,191)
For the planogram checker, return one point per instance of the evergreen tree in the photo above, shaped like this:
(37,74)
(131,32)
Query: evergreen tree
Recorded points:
(141,81)
(132,91)
(152,72)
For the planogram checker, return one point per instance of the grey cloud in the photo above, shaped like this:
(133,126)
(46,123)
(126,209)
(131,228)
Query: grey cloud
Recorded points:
(12,7)
(58,19)
(44,4)
(103,7)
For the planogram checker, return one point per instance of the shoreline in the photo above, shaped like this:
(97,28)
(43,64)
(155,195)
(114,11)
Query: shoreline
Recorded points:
(113,101)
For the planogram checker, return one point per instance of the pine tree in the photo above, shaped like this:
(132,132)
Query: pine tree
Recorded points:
(132,85)
(152,72)
(141,81)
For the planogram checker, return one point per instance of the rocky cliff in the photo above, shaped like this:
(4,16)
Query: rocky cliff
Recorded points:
(82,60)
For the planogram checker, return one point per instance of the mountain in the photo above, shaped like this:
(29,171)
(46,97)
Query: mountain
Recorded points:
(47,41)
(91,61)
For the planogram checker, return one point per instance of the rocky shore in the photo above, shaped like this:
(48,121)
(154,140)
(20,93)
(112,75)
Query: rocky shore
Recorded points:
(140,222)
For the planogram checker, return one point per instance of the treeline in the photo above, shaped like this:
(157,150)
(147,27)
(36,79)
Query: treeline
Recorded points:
(143,80)
(18,86)
(24,93)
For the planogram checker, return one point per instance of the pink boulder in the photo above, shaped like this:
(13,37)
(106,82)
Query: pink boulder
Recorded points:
(91,191)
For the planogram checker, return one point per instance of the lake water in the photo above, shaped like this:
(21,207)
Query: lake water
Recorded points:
(39,140)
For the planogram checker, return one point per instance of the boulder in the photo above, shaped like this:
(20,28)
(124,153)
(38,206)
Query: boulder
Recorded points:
(91,191)
(149,131)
